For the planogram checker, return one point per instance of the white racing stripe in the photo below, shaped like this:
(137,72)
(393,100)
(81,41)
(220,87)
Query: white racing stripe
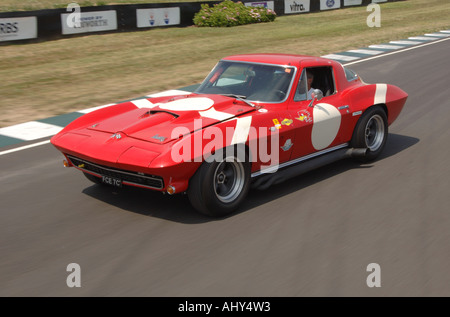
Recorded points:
(188,104)
(216,115)
(242,130)
(170,93)
(380,94)
(143,103)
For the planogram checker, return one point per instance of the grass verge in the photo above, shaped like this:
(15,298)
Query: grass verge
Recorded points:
(55,77)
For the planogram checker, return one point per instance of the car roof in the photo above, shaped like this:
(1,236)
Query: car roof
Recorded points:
(279,59)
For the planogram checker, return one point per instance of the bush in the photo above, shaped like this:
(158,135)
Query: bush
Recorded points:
(229,13)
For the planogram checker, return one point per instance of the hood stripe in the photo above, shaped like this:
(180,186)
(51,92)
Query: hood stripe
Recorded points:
(242,130)
(143,103)
(216,115)
(166,93)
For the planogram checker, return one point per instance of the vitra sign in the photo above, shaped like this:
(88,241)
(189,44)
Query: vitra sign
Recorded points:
(296,6)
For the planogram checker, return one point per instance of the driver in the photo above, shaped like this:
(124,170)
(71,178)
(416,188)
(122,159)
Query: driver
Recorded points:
(303,92)
(310,79)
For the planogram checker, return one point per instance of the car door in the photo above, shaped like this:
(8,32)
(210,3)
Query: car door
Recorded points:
(317,124)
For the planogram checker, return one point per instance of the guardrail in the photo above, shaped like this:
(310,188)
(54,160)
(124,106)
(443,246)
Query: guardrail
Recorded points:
(31,26)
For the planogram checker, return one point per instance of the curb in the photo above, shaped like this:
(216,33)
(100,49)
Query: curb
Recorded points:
(44,128)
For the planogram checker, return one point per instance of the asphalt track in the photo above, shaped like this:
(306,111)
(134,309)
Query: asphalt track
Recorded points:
(311,236)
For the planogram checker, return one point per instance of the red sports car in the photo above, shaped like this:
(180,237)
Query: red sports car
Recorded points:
(256,120)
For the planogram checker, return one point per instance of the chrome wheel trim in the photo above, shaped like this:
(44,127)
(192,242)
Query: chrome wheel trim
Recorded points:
(374,132)
(229,179)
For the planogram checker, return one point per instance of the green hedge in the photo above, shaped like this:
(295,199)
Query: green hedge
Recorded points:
(229,13)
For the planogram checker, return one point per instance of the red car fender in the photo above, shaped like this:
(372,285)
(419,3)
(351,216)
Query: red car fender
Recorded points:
(390,97)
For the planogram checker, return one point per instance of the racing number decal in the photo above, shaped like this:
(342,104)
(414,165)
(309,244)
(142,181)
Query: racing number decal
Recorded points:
(326,124)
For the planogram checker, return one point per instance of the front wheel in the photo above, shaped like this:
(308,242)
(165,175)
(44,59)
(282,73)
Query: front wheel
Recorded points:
(371,132)
(218,187)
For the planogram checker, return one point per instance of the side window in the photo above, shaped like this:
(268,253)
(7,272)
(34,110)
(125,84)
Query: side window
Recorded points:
(350,74)
(301,91)
(315,78)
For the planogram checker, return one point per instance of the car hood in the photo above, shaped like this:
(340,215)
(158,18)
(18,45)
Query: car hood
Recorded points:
(160,120)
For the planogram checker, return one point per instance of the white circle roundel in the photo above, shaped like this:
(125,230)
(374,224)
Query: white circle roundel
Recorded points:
(327,121)
(188,104)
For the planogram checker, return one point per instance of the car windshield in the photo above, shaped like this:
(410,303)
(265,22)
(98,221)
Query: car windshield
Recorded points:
(251,81)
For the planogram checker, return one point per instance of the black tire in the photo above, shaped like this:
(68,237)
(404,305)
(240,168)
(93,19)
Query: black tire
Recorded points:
(92,178)
(219,186)
(371,132)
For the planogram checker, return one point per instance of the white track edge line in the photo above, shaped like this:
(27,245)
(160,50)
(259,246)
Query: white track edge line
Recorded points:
(24,147)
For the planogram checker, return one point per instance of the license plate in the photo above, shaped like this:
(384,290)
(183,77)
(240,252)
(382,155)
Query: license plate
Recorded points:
(112,181)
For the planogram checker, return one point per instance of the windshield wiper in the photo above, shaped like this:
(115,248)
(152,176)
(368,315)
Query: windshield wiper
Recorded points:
(241,98)
(235,96)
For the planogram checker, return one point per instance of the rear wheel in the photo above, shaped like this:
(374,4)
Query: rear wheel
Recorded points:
(371,132)
(218,187)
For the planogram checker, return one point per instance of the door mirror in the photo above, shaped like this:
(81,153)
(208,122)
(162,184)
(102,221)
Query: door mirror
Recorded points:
(316,95)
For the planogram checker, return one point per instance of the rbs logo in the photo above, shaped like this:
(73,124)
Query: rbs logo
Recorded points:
(7,28)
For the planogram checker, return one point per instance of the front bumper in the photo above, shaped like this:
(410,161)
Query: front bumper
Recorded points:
(128,177)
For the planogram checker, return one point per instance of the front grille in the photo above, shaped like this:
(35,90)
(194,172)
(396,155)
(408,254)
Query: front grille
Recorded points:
(126,176)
